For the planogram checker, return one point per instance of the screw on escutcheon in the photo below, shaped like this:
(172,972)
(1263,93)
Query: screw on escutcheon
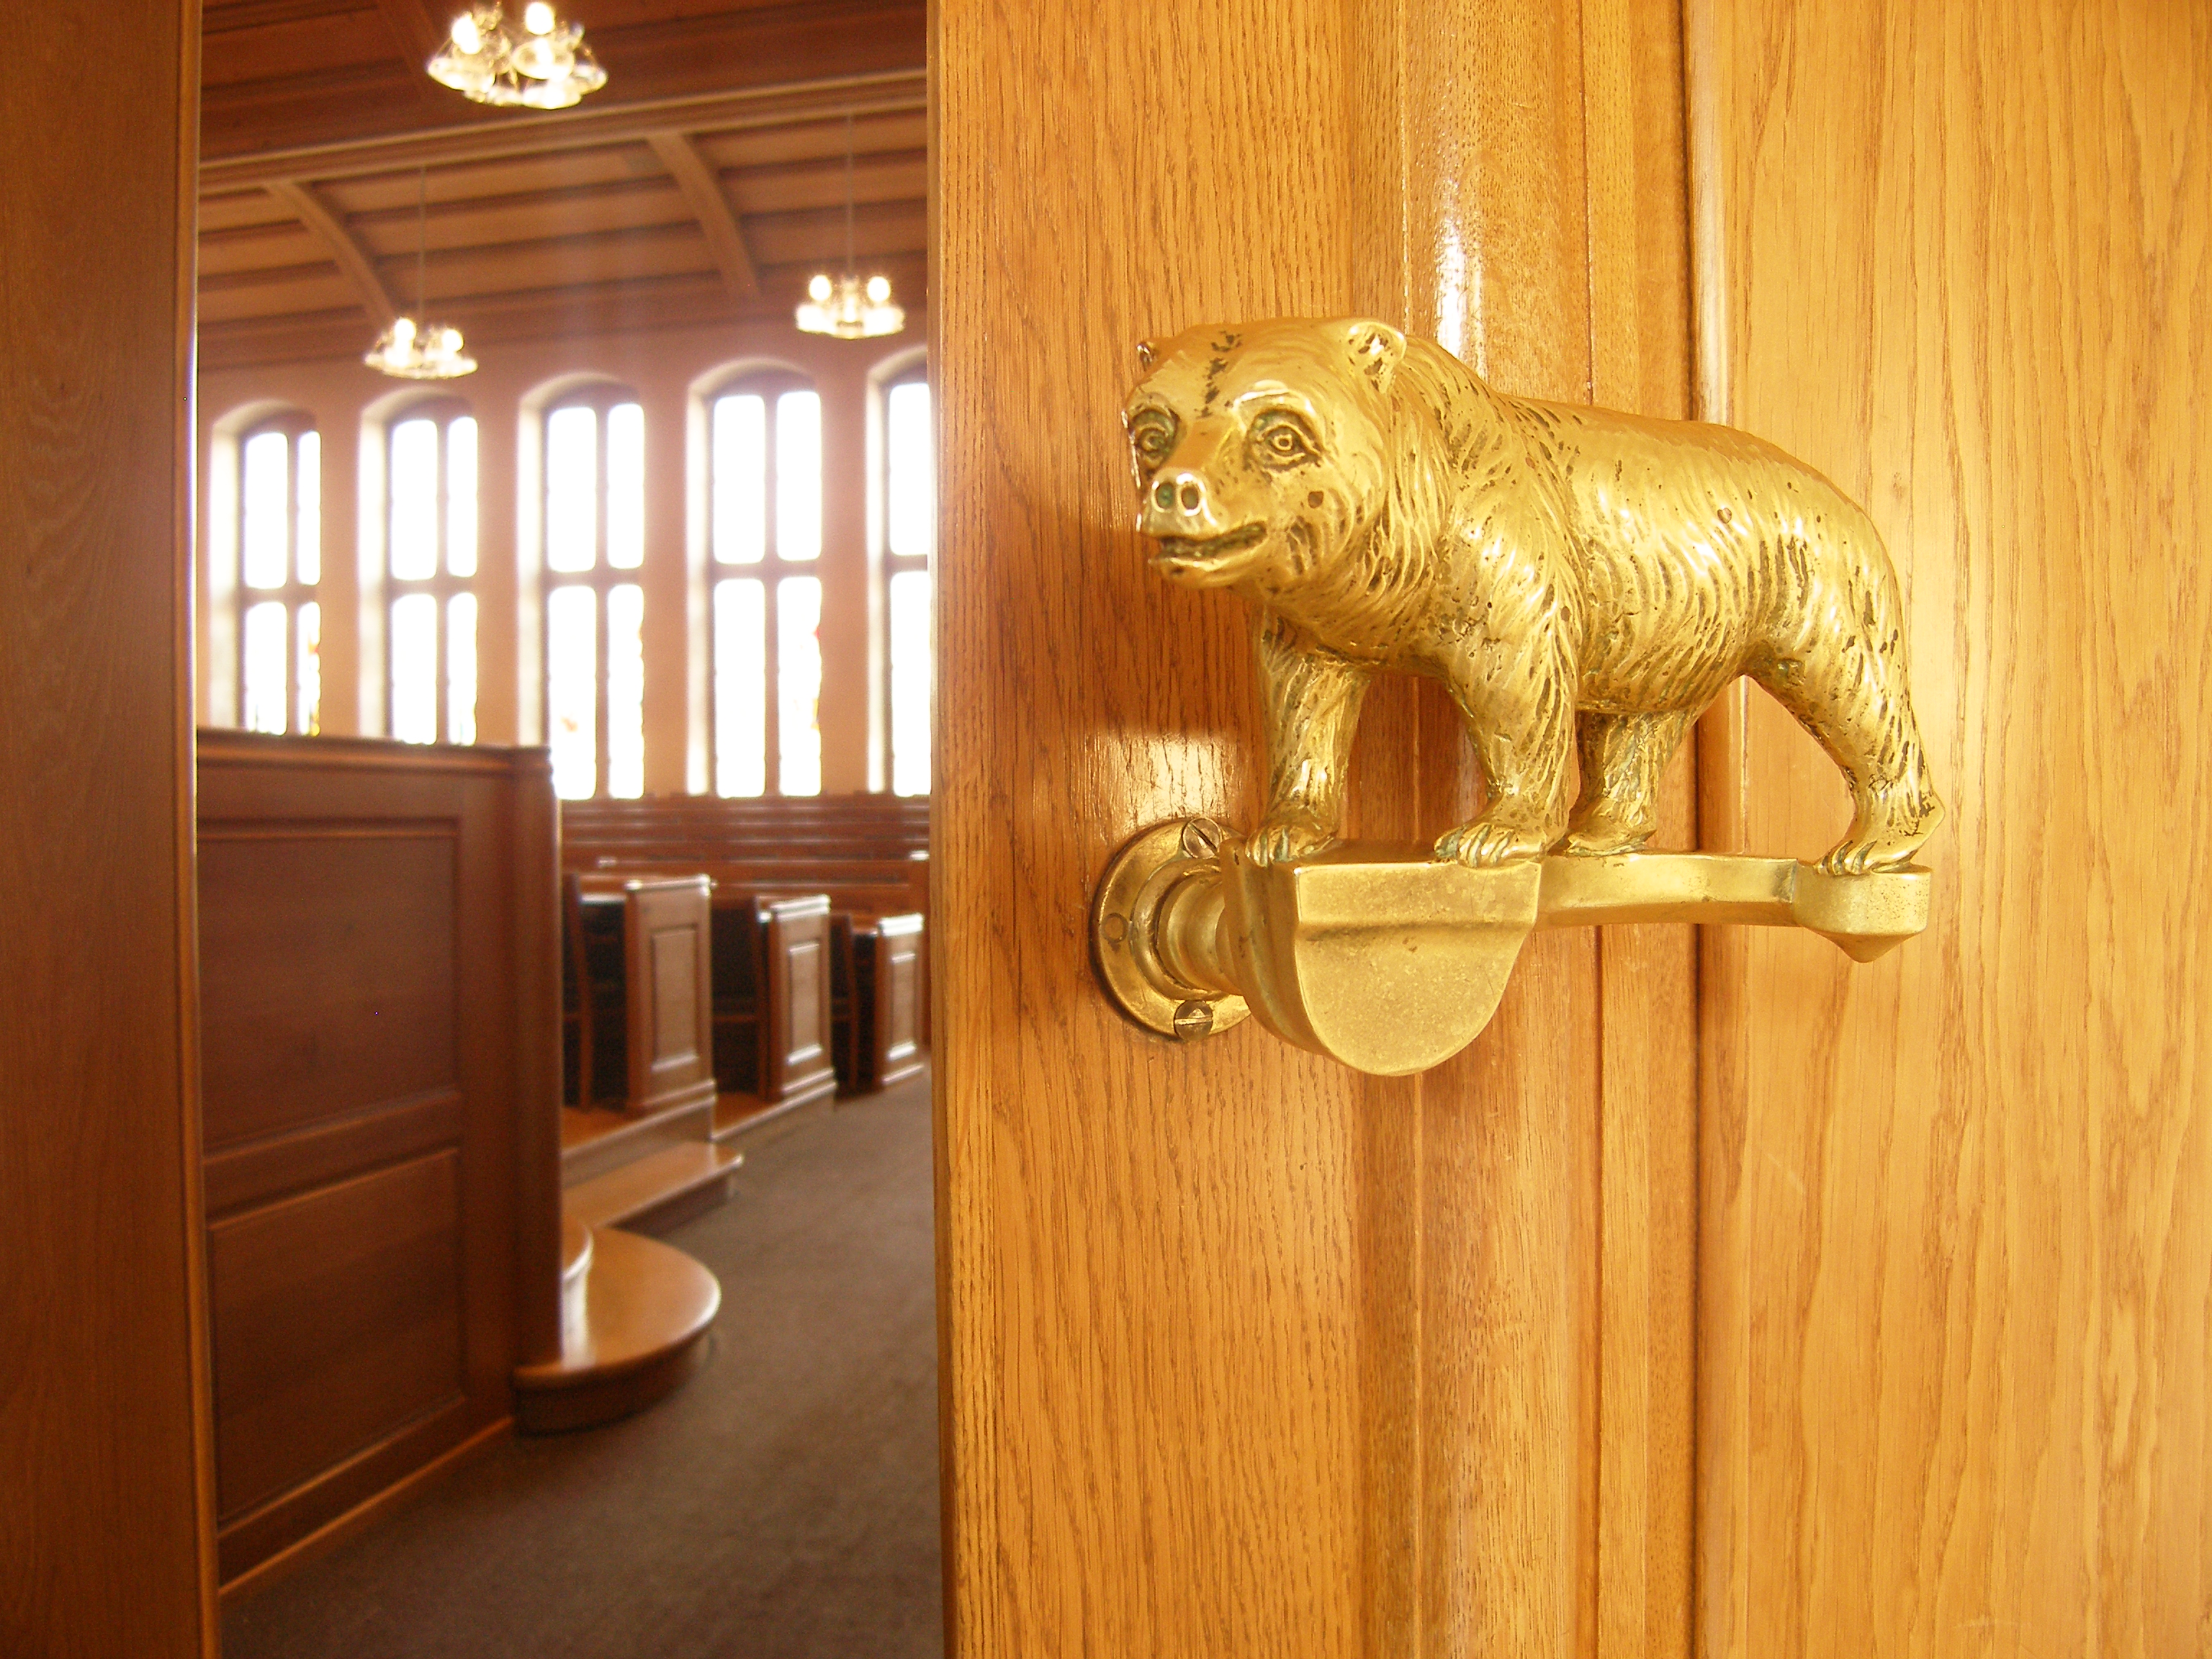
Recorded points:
(1202,838)
(1194,1020)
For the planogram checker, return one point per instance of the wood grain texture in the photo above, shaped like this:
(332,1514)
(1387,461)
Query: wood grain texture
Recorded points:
(338,1318)
(104,1440)
(1243,1353)
(1147,1284)
(327,971)
(1957,1279)
(385,1097)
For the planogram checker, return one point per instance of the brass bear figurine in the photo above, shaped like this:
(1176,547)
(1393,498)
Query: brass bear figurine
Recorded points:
(1573,575)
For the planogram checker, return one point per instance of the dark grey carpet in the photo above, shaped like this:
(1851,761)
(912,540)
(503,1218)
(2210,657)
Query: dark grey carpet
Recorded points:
(782,1503)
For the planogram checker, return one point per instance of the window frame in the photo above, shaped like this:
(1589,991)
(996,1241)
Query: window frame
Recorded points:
(293,594)
(601,397)
(768,381)
(889,564)
(441,584)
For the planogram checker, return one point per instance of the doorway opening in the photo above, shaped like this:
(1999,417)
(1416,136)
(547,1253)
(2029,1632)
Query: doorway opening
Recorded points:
(599,676)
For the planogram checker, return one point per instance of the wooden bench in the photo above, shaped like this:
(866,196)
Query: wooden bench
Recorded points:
(771,1001)
(636,991)
(868,855)
(876,1000)
(862,884)
(763,968)
(877,816)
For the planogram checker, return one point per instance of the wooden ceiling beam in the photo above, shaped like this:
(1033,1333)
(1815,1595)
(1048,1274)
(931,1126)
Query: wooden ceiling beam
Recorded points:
(703,193)
(900,90)
(353,261)
(685,301)
(413,32)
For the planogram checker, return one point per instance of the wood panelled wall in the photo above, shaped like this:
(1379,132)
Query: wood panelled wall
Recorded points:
(1245,1353)
(352,406)
(106,1545)
(1957,1281)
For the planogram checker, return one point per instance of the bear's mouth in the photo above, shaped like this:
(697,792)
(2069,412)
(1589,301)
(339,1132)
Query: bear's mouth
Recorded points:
(1205,550)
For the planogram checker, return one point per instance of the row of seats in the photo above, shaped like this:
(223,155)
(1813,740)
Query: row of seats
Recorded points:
(726,962)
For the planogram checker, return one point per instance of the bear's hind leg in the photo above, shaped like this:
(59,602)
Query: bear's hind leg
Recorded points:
(1853,699)
(1622,757)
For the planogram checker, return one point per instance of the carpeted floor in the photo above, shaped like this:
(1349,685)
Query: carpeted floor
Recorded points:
(782,1503)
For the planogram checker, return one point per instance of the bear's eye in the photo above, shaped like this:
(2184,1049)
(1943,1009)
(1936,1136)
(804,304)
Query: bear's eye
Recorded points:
(1154,434)
(1283,441)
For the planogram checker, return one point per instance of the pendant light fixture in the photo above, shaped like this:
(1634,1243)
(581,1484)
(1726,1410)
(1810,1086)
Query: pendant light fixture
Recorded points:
(842,305)
(547,66)
(414,347)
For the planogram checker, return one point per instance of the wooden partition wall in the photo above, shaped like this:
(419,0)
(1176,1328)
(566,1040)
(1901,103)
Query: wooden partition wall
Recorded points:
(104,1541)
(379,968)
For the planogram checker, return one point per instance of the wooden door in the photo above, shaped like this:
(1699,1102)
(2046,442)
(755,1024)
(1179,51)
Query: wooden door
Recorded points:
(1954,1353)
(107,1532)
(1245,1353)
(1724,1298)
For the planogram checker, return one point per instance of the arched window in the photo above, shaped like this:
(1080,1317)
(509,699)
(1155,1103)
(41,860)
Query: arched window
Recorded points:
(595,540)
(430,567)
(280,563)
(764,516)
(908,494)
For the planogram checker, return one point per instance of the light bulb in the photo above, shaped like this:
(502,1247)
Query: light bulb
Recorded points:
(402,332)
(538,17)
(879,290)
(818,289)
(468,40)
(450,342)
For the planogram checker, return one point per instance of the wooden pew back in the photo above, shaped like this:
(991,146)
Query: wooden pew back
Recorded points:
(643,957)
(380,1046)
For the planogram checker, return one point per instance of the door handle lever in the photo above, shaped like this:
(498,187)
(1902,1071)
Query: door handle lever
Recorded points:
(1392,961)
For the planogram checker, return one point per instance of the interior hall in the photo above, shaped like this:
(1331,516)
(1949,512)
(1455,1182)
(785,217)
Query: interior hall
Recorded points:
(563,526)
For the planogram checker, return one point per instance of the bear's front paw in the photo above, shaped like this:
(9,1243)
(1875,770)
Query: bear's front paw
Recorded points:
(1481,844)
(1283,836)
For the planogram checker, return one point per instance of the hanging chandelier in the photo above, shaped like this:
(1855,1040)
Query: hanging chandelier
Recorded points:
(548,66)
(843,305)
(421,350)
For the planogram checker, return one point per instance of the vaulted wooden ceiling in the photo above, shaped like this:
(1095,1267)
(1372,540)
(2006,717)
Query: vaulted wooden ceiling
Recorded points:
(706,181)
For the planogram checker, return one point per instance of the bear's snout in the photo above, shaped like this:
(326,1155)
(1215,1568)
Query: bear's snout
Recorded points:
(1180,505)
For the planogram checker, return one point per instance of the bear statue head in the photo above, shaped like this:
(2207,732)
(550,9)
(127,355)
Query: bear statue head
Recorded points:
(1263,450)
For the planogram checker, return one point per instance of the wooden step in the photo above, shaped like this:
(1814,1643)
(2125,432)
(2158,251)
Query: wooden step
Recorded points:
(594,1140)
(743,1117)
(643,1311)
(657,1190)
(576,1266)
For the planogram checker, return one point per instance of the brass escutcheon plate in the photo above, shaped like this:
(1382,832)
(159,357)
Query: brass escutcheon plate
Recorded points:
(1122,916)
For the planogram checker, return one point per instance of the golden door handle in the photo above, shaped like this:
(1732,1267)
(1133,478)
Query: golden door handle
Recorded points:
(1391,960)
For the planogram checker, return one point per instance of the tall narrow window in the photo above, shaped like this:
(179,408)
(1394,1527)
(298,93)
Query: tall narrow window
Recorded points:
(909,498)
(594,450)
(764,498)
(430,562)
(280,564)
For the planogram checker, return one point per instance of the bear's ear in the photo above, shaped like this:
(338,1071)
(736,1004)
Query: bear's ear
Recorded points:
(1376,347)
(1148,353)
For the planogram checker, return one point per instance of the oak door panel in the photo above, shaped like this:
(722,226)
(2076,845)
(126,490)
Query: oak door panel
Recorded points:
(1957,1259)
(1244,1353)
